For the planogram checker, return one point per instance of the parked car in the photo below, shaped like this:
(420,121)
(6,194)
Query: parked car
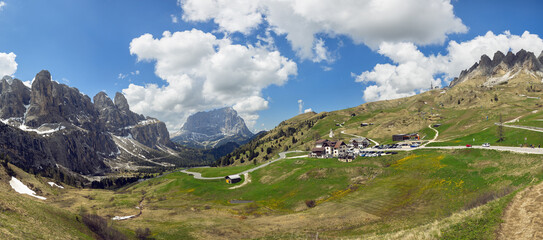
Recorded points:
(468,145)
(486,144)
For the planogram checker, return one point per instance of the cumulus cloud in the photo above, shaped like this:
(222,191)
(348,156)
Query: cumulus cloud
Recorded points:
(2,5)
(300,106)
(203,72)
(370,22)
(413,72)
(8,65)
(308,110)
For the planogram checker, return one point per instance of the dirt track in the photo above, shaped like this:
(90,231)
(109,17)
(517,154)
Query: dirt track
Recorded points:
(523,219)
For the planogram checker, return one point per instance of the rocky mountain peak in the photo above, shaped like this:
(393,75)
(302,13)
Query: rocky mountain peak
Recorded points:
(8,79)
(121,102)
(52,102)
(102,100)
(485,61)
(502,67)
(498,57)
(213,128)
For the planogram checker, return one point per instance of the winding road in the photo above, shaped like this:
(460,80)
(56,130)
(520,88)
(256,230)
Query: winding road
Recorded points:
(433,139)
(534,129)
(282,155)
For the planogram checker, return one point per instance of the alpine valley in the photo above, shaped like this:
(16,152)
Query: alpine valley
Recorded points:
(474,164)
(50,127)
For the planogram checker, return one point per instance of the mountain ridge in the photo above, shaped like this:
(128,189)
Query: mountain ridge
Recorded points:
(501,66)
(52,125)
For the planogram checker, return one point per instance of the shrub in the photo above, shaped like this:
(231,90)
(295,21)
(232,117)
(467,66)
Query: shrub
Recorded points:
(143,233)
(99,226)
(310,203)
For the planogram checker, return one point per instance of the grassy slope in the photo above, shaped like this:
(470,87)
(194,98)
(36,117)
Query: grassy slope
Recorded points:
(531,120)
(463,110)
(513,137)
(370,196)
(22,216)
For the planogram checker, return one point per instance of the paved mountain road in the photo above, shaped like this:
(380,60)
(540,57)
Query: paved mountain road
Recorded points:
(282,155)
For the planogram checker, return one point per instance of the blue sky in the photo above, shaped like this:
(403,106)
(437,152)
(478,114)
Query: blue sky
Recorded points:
(315,56)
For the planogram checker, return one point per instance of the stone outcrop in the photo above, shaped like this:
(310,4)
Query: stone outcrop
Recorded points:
(213,129)
(14,96)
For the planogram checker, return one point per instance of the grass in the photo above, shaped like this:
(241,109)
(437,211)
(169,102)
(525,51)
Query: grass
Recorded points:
(513,137)
(430,185)
(24,216)
(531,120)
(427,134)
(222,171)
(324,125)
(367,197)
(480,226)
(296,154)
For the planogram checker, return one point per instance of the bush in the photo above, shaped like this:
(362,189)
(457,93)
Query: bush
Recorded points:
(99,226)
(143,233)
(310,203)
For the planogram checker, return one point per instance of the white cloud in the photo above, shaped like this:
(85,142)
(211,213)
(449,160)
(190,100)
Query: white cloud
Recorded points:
(308,110)
(2,5)
(123,76)
(413,72)
(300,106)
(370,22)
(8,65)
(174,18)
(203,72)
(231,15)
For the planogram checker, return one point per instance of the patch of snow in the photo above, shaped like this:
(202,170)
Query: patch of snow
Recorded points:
(55,185)
(9,79)
(19,187)
(148,121)
(41,132)
(117,218)
(493,81)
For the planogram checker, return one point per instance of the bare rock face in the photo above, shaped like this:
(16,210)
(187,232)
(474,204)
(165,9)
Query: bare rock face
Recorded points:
(14,96)
(51,125)
(152,134)
(112,116)
(121,103)
(502,67)
(120,121)
(213,129)
(52,102)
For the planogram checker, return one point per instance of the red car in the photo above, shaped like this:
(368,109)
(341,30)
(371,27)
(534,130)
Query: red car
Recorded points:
(468,145)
